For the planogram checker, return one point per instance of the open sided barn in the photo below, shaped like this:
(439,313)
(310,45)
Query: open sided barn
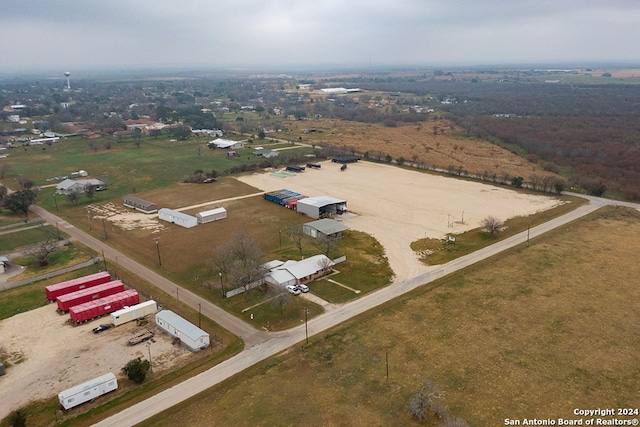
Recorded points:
(321,206)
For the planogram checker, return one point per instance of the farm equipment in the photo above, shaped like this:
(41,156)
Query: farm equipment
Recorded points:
(145,336)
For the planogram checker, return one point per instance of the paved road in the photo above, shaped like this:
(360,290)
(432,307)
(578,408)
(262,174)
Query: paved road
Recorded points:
(277,342)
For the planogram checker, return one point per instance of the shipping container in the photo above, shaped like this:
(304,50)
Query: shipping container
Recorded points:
(133,312)
(65,302)
(102,306)
(62,288)
(211,215)
(87,391)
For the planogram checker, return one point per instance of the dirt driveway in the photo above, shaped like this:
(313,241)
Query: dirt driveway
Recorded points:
(398,206)
(48,355)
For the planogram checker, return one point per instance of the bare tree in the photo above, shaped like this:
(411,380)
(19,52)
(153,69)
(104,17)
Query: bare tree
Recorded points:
(278,297)
(4,168)
(295,232)
(89,191)
(327,243)
(491,225)
(245,266)
(3,192)
(426,400)
(73,197)
(43,252)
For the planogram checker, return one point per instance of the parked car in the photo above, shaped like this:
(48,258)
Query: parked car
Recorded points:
(101,328)
(303,288)
(293,289)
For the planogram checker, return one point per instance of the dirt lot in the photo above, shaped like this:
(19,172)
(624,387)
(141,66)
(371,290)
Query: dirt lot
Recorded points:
(398,206)
(49,355)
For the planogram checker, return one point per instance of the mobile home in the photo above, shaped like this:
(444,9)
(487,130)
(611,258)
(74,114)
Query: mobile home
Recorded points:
(87,391)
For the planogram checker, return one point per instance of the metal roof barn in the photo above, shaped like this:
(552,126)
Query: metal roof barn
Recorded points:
(179,218)
(295,272)
(321,206)
(193,337)
(211,215)
(87,391)
(323,228)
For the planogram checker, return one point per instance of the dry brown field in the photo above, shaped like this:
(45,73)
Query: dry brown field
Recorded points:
(417,143)
(533,333)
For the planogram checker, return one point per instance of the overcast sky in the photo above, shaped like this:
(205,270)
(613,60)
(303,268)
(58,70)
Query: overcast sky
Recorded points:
(256,34)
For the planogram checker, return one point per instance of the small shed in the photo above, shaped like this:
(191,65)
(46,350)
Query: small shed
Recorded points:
(179,218)
(211,215)
(4,264)
(321,206)
(323,228)
(139,204)
(193,337)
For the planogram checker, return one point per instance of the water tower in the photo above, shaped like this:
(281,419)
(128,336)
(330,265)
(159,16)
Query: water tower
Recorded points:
(67,74)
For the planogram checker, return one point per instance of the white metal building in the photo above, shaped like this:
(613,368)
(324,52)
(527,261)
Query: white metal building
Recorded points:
(87,391)
(69,186)
(179,218)
(321,206)
(211,215)
(133,312)
(190,335)
(325,227)
(225,144)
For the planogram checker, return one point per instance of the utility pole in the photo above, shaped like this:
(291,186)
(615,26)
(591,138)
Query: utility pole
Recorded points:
(158,249)
(221,285)
(528,230)
(199,315)
(306,329)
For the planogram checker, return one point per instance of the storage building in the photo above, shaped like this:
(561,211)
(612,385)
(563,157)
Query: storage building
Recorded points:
(100,307)
(211,215)
(225,144)
(139,204)
(321,206)
(87,391)
(66,301)
(193,337)
(134,312)
(323,228)
(66,287)
(179,218)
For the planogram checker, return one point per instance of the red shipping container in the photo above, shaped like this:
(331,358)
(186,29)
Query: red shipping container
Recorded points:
(65,302)
(62,288)
(102,306)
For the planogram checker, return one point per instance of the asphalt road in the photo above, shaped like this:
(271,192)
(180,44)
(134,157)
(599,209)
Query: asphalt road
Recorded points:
(261,345)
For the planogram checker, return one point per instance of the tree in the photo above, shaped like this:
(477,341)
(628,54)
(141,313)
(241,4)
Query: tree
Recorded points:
(491,225)
(73,197)
(136,370)
(517,181)
(20,201)
(278,297)
(181,132)
(17,419)
(261,134)
(89,191)
(4,168)
(246,267)
(3,192)
(26,183)
(327,243)
(427,399)
(295,232)
(43,252)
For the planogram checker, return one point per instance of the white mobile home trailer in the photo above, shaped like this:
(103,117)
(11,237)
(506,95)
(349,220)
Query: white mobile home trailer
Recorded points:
(179,218)
(211,215)
(90,390)
(190,335)
(134,312)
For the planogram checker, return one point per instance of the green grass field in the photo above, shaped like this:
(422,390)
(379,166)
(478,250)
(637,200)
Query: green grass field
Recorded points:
(532,333)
